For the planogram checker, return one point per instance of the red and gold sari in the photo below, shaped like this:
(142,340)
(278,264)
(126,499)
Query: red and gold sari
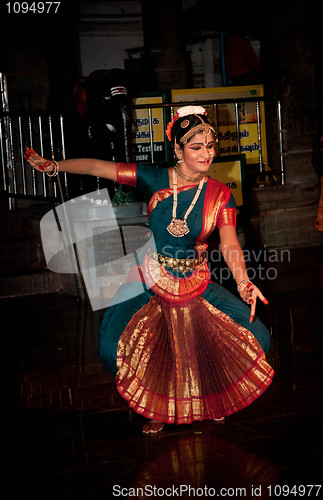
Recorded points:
(183,350)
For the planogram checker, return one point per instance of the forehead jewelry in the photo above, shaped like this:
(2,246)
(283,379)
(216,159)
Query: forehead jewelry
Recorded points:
(201,127)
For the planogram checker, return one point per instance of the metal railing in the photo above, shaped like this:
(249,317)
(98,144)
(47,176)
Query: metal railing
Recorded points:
(213,105)
(45,133)
(41,131)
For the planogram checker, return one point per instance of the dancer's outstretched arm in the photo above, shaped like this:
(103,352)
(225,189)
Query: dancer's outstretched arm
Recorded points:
(87,166)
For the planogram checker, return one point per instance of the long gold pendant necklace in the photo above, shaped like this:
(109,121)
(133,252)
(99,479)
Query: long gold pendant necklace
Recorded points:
(179,227)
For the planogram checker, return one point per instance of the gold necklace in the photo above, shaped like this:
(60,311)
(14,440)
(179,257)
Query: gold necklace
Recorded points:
(201,176)
(179,227)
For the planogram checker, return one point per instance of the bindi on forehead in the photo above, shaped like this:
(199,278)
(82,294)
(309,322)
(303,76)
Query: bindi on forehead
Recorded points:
(202,138)
(197,143)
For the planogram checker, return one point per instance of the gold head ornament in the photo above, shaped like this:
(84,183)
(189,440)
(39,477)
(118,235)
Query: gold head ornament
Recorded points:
(186,111)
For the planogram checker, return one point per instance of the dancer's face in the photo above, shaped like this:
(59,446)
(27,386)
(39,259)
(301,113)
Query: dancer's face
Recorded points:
(198,154)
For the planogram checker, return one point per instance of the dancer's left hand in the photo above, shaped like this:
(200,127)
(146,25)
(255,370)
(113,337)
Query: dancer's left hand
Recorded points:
(249,294)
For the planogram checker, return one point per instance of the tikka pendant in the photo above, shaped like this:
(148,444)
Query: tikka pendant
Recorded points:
(178,228)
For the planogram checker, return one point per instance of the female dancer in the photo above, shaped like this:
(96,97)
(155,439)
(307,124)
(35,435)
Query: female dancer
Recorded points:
(185,349)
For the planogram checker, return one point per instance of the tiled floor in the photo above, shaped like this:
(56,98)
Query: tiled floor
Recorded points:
(67,434)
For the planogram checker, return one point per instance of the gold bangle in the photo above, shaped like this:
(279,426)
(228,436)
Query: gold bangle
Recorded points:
(55,171)
(240,283)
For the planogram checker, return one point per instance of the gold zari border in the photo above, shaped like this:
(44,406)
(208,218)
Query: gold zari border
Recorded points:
(172,288)
(127,174)
(227,216)
(162,195)
(183,362)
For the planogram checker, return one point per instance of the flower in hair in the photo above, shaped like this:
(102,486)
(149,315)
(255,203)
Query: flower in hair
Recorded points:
(169,128)
(180,113)
(190,110)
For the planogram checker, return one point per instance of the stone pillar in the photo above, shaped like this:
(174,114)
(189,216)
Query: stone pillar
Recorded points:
(284,216)
(165,56)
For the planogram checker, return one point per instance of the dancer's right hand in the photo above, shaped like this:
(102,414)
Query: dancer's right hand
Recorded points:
(38,162)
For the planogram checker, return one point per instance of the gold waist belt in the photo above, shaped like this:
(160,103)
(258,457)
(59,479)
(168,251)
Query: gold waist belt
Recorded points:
(181,265)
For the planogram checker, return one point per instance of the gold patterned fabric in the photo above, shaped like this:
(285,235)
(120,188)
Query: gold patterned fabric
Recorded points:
(227,216)
(173,288)
(161,195)
(216,197)
(187,362)
(157,277)
(176,356)
(127,174)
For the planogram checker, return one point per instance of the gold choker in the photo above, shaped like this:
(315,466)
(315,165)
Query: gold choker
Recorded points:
(188,178)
